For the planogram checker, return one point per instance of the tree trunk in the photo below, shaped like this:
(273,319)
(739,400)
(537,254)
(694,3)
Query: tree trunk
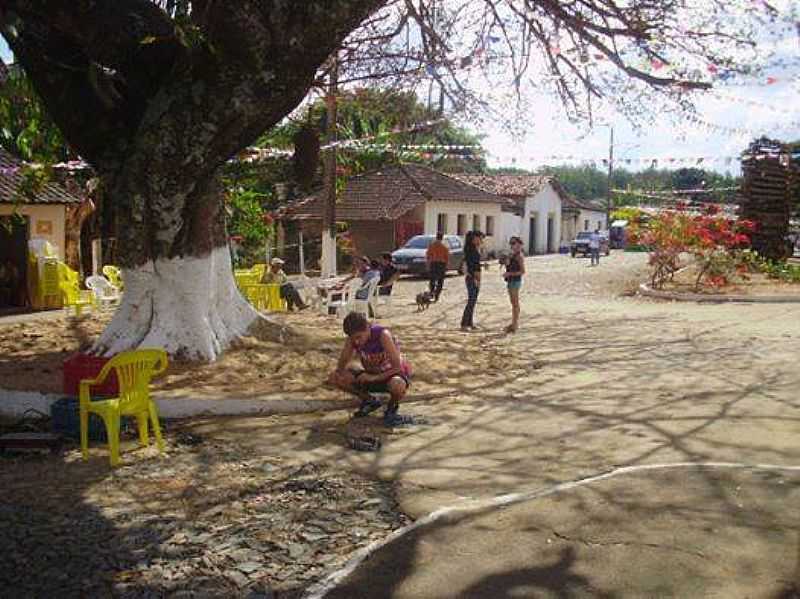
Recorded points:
(189,306)
(180,294)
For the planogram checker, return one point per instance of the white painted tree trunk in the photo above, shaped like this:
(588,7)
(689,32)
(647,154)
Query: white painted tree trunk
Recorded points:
(328,259)
(188,306)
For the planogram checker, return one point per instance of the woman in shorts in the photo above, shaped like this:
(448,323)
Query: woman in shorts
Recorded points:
(515,269)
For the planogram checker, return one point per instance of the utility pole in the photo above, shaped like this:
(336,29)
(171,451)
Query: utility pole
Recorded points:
(610,173)
(328,260)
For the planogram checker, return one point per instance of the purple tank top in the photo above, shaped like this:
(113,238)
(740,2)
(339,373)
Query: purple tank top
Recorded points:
(373,357)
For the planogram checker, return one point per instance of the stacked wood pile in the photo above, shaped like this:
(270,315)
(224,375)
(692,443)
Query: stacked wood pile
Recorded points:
(767,192)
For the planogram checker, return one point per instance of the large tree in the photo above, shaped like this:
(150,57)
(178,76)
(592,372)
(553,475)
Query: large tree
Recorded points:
(157,95)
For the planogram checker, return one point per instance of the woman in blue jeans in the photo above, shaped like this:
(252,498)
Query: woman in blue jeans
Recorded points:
(472,264)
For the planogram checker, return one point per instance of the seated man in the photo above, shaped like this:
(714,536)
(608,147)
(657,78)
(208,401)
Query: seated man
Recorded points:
(384,370)
(276,276)
(389,275)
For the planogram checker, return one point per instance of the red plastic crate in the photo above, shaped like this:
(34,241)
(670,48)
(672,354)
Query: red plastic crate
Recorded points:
(81,366)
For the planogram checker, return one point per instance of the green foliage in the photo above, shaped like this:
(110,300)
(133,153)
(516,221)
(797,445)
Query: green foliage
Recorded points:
(249,223)
(588,182)
(26,130)
(632,214)
(782,271)
(382,117)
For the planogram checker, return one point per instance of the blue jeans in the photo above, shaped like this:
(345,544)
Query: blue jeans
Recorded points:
(472,299)
(595,256)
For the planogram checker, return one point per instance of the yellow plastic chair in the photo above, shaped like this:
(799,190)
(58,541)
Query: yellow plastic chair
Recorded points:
(134,370)
(246,277)
(259,270)
(257,295)
(275,303)
(72,296)
(114,275)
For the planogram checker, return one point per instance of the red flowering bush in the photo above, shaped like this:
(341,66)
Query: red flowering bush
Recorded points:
(715,241)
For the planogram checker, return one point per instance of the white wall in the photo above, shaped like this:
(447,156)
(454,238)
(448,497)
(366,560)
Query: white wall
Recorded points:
(452,209)
(570,225)
(595,217)
(510,225)
(544,205)
(46,222)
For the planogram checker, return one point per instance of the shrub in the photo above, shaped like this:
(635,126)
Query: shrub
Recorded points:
(716,242)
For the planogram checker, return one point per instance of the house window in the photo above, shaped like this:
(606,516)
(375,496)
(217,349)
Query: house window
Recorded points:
(462,225)
(476,222)
(441,224)
(600,224)
(489,226)
(586,225)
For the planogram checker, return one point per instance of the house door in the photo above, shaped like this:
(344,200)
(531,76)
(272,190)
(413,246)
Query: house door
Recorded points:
(550,234)
(532,237)
(13,261)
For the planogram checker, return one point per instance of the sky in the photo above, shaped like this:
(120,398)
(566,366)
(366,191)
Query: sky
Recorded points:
(771,110)
(755,106)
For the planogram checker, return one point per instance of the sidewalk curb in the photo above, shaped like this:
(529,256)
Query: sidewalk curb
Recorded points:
(14,404)
(647,291)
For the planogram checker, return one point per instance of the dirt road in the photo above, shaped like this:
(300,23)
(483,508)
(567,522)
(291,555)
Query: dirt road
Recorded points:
(594,380)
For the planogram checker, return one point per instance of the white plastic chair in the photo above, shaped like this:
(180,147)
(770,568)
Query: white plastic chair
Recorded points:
(105,294)
(371,301)
(385,300)
(307,290)
(345,304)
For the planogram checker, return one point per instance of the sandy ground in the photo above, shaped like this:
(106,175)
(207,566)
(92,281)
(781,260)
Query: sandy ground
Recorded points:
(594,380)
(34,349)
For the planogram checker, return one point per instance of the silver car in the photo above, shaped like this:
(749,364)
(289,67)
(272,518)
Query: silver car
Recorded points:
(410,259)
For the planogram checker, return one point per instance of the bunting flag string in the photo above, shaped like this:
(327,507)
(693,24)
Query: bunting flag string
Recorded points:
(666,193)
(789,110)
(654,161)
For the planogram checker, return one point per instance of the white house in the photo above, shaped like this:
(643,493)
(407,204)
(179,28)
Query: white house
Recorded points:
(538,209)
(583,215)
(385,208)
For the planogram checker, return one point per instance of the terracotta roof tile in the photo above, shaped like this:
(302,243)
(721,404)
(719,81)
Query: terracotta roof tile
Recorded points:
(11,178)
(508,185)
(390,192)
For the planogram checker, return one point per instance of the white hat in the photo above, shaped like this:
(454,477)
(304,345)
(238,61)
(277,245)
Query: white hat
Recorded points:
(277,261)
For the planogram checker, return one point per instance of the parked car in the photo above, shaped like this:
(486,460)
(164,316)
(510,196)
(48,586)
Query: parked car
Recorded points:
(410,259)
(580,245)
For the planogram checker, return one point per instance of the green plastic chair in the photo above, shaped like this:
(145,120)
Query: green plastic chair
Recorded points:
(134,371)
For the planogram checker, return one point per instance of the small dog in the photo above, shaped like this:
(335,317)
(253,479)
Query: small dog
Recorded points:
(424,300)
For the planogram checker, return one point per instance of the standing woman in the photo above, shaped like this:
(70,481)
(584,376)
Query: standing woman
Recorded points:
(515,268)
(472,264)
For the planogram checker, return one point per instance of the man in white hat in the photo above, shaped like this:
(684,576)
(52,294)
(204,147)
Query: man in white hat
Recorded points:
(276,276)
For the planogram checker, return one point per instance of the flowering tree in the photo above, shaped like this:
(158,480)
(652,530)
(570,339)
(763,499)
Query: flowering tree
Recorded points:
(714,240)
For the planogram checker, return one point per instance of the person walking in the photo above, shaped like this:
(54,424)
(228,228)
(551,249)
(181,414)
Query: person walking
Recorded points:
(472,264)
(437,256)
(594,247)
(515,269)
